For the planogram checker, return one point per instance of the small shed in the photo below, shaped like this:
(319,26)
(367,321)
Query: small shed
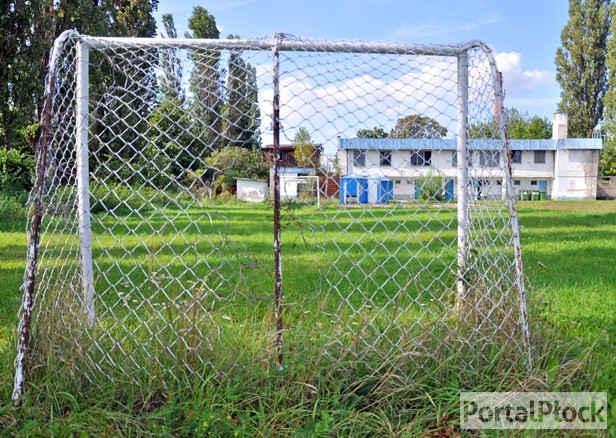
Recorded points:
(251,190)
(353,188)
(380,189)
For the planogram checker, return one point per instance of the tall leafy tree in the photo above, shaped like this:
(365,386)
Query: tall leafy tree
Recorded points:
(29,28)
(581,64)
(521,126)
(304,149)
(170,78)
(416,126)
(167,155)
(17,74)
(118,123)
(607,162)
(242,115)
(205,79)
(372,133)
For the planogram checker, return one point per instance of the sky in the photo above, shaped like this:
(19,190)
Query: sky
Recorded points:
(523,34)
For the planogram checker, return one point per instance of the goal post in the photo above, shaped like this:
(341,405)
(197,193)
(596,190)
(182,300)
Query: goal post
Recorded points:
(83,176)
(142,262)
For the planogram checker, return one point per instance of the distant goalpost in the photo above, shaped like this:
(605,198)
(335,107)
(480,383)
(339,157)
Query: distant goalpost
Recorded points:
(128,274)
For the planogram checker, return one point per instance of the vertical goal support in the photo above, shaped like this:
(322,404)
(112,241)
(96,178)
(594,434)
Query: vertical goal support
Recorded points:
(515,226)
(83,175)
(277,237)
(462,170)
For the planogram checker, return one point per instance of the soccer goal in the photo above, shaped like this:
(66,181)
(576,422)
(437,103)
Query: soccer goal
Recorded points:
(142,264)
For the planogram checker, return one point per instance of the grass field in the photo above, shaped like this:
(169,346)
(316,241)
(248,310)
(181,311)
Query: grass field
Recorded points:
(569,249)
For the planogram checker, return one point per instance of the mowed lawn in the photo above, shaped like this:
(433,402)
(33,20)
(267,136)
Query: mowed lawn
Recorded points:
(569,249)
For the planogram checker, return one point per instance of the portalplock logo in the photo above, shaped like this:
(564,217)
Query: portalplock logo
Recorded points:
(533,410)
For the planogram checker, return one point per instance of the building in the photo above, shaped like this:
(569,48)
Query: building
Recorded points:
(291,175)
(560,167)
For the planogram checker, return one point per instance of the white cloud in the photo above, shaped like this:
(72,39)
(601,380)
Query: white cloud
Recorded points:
(517,81)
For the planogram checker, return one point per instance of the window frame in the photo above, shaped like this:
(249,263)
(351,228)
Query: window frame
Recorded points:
(420,158)
(538,154)
(489,158)
(516,154)
(385,158)
(359,158)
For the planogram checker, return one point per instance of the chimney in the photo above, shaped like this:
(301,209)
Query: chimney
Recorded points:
(559,126)
(499,78)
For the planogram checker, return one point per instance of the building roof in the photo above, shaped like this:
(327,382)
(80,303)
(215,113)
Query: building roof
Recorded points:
(451,145)
(291,147)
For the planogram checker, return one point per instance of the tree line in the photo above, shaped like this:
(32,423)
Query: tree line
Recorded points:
(586,72)
(185,121)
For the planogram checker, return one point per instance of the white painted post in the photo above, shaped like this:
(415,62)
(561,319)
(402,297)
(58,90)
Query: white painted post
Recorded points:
(83,176)
(513,212)
(462,174)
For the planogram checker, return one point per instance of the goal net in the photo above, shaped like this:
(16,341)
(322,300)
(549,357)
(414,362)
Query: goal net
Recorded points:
(377,221)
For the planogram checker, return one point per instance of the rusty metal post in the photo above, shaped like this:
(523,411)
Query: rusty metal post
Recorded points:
(276,182)
(510,199)
(25,323)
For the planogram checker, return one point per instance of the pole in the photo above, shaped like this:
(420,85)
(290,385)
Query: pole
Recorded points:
(83,179)
(462,151)
(515,227)
(277,238)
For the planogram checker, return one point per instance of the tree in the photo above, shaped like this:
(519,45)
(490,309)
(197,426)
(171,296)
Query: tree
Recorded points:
(581,64)
(170,79)
(521,126)
(242,115)
(205,83)
(304,148)
(226,165)
(607,161)
(416,126)
(372,133)
(29,29)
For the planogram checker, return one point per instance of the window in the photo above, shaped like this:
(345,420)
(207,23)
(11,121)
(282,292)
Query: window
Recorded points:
(489,158)
(499,182)
(516,157)
(359,158)
(397,181)
(454,159)
(533,182)
(516,182)
(385,158)
(421,158)
(540,157)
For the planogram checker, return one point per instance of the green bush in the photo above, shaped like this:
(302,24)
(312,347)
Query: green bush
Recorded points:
(432,189)
(16,170)
(13,206)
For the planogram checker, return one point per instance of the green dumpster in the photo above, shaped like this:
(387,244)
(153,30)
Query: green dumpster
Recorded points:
(524,195)
(534,195)
(543,196)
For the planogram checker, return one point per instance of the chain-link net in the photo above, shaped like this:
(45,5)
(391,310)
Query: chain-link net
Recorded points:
(392,231)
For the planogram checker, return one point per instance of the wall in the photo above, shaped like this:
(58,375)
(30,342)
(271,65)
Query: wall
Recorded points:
(575,174)
(606,187)
(251,190)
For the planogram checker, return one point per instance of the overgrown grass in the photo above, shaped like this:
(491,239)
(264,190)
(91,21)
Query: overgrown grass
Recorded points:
(569,248)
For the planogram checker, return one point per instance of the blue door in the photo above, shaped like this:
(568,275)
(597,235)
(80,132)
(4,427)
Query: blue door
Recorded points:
(542,185)
(449,190)
(418,188)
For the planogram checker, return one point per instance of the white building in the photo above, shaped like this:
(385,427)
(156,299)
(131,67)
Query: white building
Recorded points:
(561,168)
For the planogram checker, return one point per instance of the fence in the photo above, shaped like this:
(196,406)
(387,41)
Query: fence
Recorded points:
(142,264)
